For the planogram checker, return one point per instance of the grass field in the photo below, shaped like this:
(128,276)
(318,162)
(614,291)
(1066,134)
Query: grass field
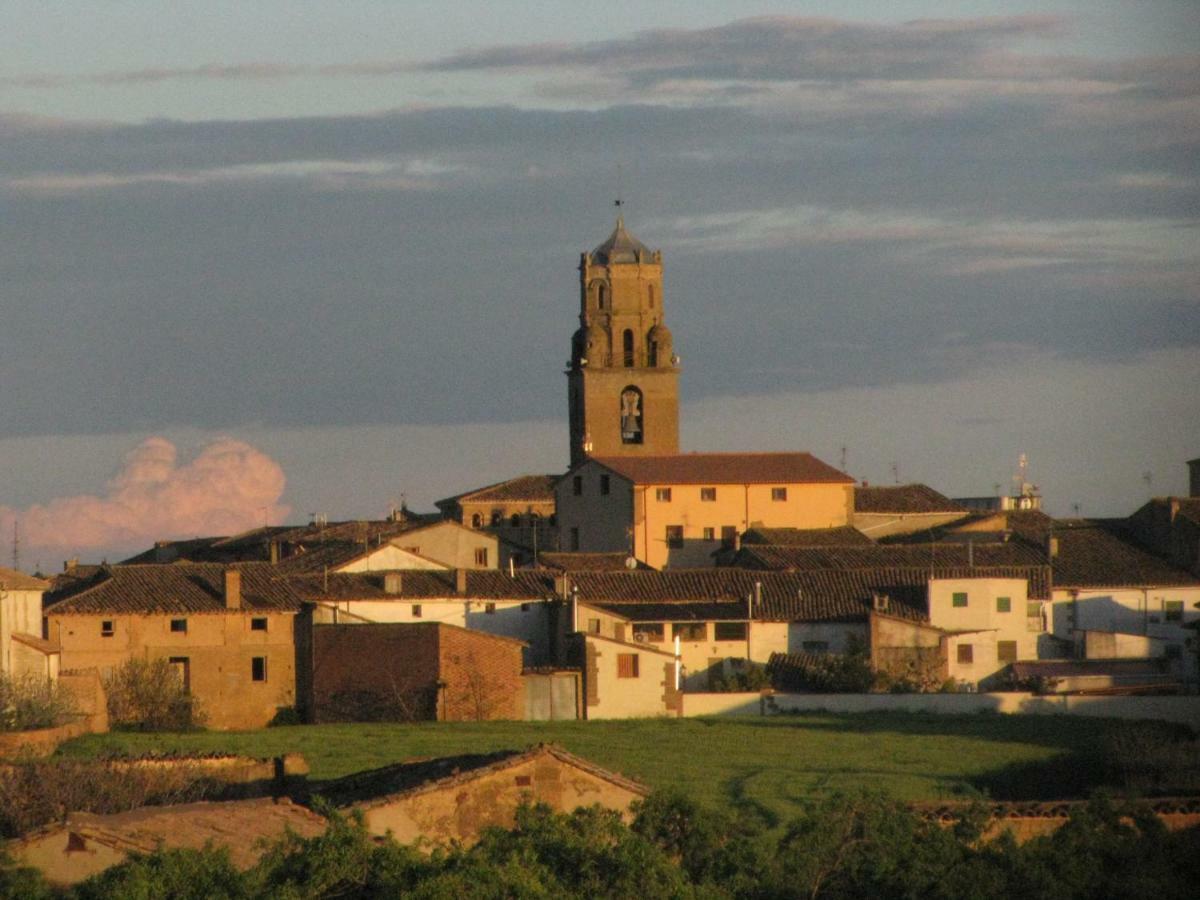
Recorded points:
(769,763)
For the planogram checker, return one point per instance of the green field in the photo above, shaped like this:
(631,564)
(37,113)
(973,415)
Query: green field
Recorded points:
(769,763)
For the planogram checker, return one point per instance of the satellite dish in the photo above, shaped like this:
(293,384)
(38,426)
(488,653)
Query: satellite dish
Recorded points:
(631,562)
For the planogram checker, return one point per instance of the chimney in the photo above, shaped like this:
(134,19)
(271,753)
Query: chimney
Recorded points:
(69,565)
(460,582)
(273,550)
(392,583)
(233,589)
(970,554)
(879,601)
(1052,546)
(562,586)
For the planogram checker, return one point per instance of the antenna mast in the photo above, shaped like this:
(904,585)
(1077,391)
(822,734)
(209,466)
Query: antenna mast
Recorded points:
(16,551)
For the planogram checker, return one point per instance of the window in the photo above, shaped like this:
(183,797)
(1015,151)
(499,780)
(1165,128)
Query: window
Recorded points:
(690,631)
(675,536)
(627,665)
(489,608)
(182,669)
(649,631)
(631,416)
(966,654)
(481,556)
(258,624)
(574,537)
(106,628)
(627,347)
(258,668)
(593,626)
(416,610)
(601,296)
(1003,604)
(650,295)
(663,495)
(497,517)
(710,534)
(730,631)
(958,599)
(815,646)
(1173,611)
(728,535)
(605,484)
(576,486)
(179,626)
(708,494)
(779,494)
(515,521)
(476,521)
(1006,651)
(524,780)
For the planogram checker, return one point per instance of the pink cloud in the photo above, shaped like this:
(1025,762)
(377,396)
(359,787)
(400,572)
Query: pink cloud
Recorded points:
(229,487)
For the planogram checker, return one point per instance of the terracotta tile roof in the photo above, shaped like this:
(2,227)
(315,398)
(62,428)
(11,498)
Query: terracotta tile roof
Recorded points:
(806,537)
(725,468)
(19,581)
(534,488)
(378,786)
(484,584)
(903,498)
(1090,555)
(177,588)
(587,562)
(679,612)
(936,555)
(786,596)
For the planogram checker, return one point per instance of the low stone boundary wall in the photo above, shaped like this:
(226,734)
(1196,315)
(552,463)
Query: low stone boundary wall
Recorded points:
(40,741)
(1184,710)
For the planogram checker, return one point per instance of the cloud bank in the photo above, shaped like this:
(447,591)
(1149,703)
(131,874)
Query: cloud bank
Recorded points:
(229,487)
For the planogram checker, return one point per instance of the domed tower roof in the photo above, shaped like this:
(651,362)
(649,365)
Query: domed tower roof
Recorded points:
(621,247)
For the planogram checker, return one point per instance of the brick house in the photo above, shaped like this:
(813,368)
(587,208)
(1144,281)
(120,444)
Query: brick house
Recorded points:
(416,671)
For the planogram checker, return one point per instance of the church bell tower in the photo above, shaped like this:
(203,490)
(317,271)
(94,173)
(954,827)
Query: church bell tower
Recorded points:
(623,376)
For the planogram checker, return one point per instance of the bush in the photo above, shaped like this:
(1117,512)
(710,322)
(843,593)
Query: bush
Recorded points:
(30,701)
(147,695)
(36,793)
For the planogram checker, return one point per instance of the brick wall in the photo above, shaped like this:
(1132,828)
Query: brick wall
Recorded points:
(373,672)
(410,671)
(482,676)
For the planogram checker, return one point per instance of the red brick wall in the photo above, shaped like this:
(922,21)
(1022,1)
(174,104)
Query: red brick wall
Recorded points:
(482,676)
(374,672)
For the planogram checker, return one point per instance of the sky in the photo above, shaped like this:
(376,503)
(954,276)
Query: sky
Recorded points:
(260,261)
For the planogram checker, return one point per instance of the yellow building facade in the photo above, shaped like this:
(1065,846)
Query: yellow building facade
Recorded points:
(677,511)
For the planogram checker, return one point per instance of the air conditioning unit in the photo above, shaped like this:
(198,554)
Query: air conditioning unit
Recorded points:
(639,637)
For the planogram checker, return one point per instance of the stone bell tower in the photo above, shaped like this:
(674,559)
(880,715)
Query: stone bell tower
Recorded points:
(623,376)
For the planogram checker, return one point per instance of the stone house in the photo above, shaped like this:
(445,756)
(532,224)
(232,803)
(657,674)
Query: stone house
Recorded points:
(86,844)
(519,511)
(452,799)
(227,631)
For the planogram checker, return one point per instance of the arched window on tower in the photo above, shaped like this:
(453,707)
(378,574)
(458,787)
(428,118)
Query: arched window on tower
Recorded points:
(476,521)
(651,295)
(653,353)
(601,296)
(631,416)
(628,346)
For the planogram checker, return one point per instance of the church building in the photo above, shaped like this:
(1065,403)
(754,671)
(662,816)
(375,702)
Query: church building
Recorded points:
(629,489)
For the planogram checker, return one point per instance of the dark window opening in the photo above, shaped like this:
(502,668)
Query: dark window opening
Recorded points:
(649,631)
(778,493)
(179,626)
(708,495)
(481,556)
(577,485)
(605,484)
(627,347)
(477,521)
(675,536)
(1006,651)
(258,624)
(416,610)
(258,668)
(730,631)
(106,628)
(690,631)
(489,608)
(966,653)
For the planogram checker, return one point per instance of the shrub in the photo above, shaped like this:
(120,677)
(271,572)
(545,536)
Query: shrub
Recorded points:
(147,695)
(31,701)
(36,793)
